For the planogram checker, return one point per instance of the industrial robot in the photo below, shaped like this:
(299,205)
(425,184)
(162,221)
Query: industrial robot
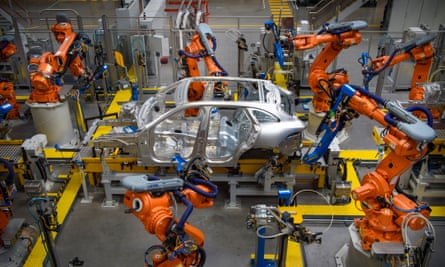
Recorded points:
(278,50)
(150,199)
(47,71)
(336,36)
(203,45)
(282,50)
(7,93)
(48,104)
(388,214)
(420,50)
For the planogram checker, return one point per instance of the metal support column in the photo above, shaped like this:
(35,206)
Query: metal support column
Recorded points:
(106,181)
(22,76)
(232,203)
(108,46)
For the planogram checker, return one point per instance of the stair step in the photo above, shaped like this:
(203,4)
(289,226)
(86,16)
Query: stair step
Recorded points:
(281,11)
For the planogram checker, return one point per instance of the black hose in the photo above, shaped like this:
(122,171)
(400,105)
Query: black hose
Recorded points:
(41,167)
(202,257)
(375,72)
(264,45)
(410,196)
(328,93)
(150,250)
(190,164)
(223,71)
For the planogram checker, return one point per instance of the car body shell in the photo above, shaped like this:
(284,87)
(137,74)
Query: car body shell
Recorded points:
(222,131)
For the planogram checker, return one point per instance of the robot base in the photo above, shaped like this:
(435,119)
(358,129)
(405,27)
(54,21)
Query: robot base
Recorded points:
(54,120)
(352,254)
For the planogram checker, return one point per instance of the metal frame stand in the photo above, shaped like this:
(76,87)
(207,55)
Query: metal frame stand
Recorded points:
(106,181)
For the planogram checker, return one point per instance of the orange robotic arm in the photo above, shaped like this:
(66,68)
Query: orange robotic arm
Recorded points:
(151,201)
(202,45)
(155,213)
(41,74)
(408,138)
(337,37)
(384,211)
(47,74)
(7,49)
(198,50)
(421,51)
(7,93)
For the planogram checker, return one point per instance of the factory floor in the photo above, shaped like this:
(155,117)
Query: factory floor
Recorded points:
(110,237)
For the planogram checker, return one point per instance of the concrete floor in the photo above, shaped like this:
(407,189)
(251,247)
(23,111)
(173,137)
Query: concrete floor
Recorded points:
(110,237)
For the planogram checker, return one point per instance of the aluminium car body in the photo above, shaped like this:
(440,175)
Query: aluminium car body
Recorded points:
(234,88)
(223,130)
